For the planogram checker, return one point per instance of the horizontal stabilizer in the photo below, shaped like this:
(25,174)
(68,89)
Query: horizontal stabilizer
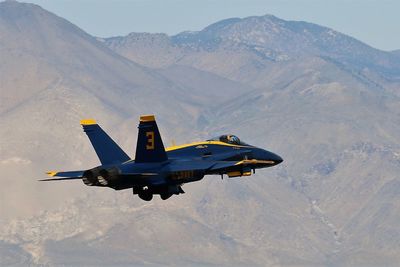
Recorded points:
(60,179)
(65,174)
(69,175)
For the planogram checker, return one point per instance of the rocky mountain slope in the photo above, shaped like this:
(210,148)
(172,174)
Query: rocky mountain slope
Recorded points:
(396,52)
(254,43)
(326,102)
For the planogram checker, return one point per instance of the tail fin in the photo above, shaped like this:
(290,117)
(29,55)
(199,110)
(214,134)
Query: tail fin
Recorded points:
(149,146)
(106,149)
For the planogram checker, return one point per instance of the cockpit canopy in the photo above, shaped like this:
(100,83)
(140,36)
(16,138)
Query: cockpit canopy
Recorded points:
(229,139)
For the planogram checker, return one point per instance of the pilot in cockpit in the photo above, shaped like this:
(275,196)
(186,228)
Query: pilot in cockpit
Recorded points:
(229,139)
(233,139)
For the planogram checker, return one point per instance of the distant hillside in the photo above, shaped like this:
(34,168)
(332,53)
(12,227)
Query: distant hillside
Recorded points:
(327,103)
(396,52)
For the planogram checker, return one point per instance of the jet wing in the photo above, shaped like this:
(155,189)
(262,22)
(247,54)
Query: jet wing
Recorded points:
(139,174)
(230,156)
(222,165)
(210,165)
(68,175)
(189,165)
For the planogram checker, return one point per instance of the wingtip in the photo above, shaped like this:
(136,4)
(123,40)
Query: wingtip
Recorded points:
(88,122)
(147,118)
(51,173)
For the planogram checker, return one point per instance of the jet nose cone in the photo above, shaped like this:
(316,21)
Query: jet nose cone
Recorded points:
(273,157)
(278,159)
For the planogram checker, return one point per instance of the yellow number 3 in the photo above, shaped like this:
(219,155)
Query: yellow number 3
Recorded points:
(150,140)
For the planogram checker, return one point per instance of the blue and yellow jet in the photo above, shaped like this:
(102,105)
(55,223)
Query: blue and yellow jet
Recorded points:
(160,171)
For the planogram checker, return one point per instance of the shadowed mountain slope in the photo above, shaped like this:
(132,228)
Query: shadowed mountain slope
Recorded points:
(52,75)
(326,102)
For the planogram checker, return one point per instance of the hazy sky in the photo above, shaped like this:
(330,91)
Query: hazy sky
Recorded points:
(376,22)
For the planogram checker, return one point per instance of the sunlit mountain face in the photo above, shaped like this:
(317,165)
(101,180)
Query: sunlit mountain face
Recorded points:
(326,102)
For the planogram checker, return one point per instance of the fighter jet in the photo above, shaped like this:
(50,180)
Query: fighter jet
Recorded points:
(159,171)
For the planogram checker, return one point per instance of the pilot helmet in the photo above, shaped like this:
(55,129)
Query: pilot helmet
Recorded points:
(234,139)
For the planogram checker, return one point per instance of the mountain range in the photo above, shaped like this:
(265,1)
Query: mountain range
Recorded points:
(328,103)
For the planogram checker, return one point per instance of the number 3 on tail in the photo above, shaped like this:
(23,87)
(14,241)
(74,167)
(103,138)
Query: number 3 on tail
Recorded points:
(150,140)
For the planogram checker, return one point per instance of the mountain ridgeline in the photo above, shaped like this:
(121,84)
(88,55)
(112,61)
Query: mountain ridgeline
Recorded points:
(267,38)
(328,103)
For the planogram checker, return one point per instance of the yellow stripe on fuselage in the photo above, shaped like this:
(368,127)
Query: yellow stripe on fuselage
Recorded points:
(254,161)
(203,143)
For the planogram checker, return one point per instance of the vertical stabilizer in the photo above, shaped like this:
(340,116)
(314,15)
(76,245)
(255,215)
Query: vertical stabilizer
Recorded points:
(150,147)
(106,149)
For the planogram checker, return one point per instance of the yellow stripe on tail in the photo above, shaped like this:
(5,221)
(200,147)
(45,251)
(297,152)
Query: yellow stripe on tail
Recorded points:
(88,122)
(51,173)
